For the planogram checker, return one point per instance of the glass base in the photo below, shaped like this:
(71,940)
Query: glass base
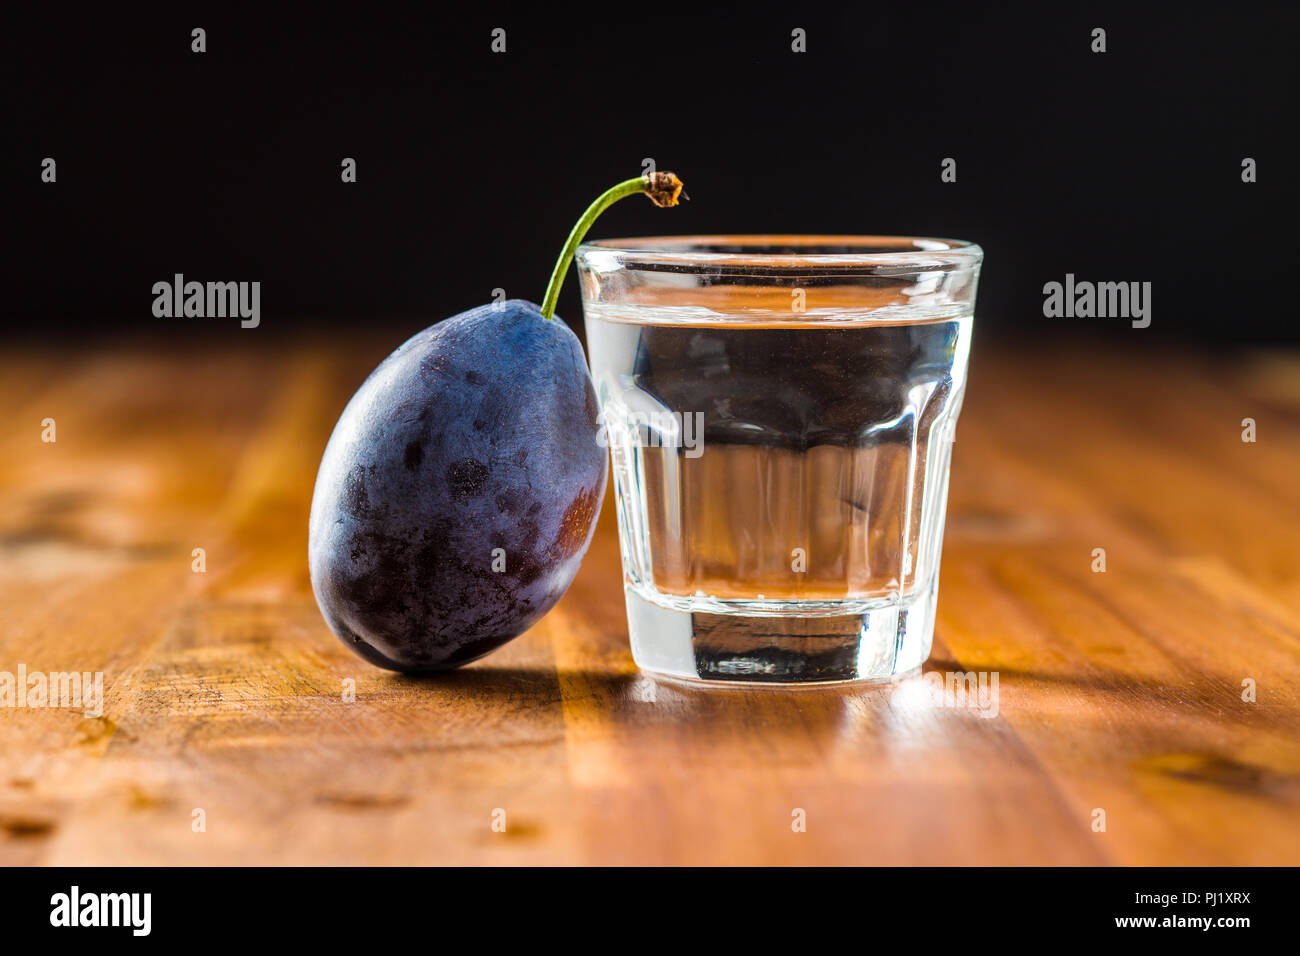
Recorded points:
(871,643)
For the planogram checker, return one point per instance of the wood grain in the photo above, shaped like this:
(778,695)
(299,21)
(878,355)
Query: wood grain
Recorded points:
(1118,691)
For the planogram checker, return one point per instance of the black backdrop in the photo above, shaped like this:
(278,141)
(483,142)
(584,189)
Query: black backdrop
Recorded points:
(472,165)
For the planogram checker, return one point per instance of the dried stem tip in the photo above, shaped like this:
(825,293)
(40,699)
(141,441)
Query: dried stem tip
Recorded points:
(663,188)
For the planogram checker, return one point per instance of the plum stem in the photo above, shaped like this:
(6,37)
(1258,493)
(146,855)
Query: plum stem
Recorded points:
(663,190)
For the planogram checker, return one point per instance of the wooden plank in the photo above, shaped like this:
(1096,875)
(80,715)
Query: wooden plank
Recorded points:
(1118,691)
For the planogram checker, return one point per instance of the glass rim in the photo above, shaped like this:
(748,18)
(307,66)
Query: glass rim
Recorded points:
(843,252)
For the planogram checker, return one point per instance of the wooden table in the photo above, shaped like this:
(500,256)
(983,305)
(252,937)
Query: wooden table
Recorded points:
(1119,691)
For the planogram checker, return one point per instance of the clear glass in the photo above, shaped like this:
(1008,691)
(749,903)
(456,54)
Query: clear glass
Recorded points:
(780,414)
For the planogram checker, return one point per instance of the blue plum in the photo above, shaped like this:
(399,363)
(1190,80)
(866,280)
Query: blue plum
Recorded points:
(459,490)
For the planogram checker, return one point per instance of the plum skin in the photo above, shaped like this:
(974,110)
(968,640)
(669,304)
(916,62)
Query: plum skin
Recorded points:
(476,434)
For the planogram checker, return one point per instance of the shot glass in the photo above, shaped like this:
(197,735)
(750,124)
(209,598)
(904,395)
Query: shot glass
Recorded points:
(780,413)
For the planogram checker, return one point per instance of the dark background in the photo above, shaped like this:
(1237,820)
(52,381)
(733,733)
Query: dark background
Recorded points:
(472,166)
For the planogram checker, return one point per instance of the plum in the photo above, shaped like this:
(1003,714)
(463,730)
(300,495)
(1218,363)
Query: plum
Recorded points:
(460,488)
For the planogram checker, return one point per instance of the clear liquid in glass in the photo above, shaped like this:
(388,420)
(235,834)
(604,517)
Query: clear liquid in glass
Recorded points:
(781,486)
